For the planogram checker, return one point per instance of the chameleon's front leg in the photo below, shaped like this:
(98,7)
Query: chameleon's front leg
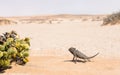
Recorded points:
(76,60)
(73,58)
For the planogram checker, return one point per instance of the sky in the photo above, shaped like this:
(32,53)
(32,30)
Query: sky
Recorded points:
(42,7)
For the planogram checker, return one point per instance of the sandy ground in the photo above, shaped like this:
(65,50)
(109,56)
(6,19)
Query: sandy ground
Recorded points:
(52,65)
(50,42)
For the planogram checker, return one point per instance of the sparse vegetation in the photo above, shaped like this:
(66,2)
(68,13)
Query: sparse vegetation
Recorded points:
(112,19)
(6,21)
(13,49)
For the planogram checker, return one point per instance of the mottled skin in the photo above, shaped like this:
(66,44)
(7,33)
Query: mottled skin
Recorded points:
(78,54)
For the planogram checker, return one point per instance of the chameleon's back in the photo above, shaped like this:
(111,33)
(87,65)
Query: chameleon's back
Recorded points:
(80,54)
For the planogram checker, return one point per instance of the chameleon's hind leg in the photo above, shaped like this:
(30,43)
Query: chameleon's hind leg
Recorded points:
(85,60)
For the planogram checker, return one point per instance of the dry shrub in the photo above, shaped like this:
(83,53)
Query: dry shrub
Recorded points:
(112,19)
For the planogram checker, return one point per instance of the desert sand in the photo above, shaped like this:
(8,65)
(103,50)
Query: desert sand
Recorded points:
(49,53)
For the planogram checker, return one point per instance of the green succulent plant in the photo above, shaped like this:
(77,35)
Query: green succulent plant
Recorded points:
(25,60)
(25,54)
(4,62)
(1,54)
(5,55)
(2,47)
(14,49)
(27,40)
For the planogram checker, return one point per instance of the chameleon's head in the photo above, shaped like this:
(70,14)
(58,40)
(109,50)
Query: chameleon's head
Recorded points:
(72,49)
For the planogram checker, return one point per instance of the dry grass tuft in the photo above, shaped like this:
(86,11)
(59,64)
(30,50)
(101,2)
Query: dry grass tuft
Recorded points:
(112,19)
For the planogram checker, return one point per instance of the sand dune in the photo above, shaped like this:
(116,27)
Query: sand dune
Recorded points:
(4,21)
(55,19)
(50,42)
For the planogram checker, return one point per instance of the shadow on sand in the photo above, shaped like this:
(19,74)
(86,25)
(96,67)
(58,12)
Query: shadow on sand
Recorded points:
(80,61)
(2,70)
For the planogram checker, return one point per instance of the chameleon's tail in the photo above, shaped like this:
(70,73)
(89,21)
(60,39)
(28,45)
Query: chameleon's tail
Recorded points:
(93,56)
